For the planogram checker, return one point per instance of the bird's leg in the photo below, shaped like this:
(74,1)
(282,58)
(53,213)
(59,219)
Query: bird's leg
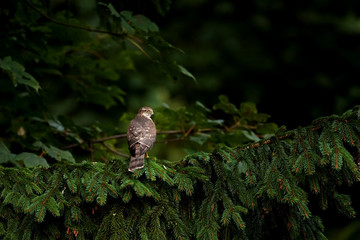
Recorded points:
(147,155)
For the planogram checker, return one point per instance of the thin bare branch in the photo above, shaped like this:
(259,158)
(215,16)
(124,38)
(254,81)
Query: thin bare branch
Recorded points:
(70,146)
(165,132)
(115,151)
(101,140)
(169,132)
(170,140)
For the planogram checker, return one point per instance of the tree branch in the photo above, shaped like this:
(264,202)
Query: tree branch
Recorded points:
(89,29)
(101,140)
(131,38)
(288,134)
(123,135)
(114,151)
(165,132)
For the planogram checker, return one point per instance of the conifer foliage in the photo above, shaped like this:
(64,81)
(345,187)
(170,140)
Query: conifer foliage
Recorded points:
(251,191)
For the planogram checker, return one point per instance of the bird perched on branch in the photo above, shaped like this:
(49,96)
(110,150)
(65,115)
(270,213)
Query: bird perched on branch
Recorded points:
(141,136)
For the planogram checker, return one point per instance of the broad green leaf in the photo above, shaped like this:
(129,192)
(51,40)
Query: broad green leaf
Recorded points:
(139,22)
(55,152)
(126,27)
(160,45)
(247,108)
(31,160)
(127,15)
(143,23)
(250,135)
(5,154)
(267,128)
(225,105)
(112,10)
(17,73)
(186,73)
(200,138)
(57,125)
(202,106)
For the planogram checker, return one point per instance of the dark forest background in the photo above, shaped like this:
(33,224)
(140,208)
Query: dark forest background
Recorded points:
(296,60)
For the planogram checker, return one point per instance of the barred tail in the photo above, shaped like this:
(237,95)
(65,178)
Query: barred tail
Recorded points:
(137,161)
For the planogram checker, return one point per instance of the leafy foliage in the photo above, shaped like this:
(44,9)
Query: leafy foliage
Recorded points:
(17,73)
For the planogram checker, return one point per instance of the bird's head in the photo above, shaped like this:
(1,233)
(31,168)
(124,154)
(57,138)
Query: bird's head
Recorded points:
(146,112)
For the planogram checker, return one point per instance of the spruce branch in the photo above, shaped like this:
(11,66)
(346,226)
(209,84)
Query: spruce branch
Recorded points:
(207,195)
(315,126)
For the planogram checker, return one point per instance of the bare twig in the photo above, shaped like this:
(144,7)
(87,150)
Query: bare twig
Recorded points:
(114,151)
(170,140)
(165,132)
(189,131)
(70,146)
(169,132)
(101,140)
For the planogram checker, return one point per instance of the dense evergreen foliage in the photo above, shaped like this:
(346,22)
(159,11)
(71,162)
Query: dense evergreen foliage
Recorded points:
(253,191)
(220,172)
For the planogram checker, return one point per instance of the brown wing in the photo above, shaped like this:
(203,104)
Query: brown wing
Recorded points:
(141,130)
